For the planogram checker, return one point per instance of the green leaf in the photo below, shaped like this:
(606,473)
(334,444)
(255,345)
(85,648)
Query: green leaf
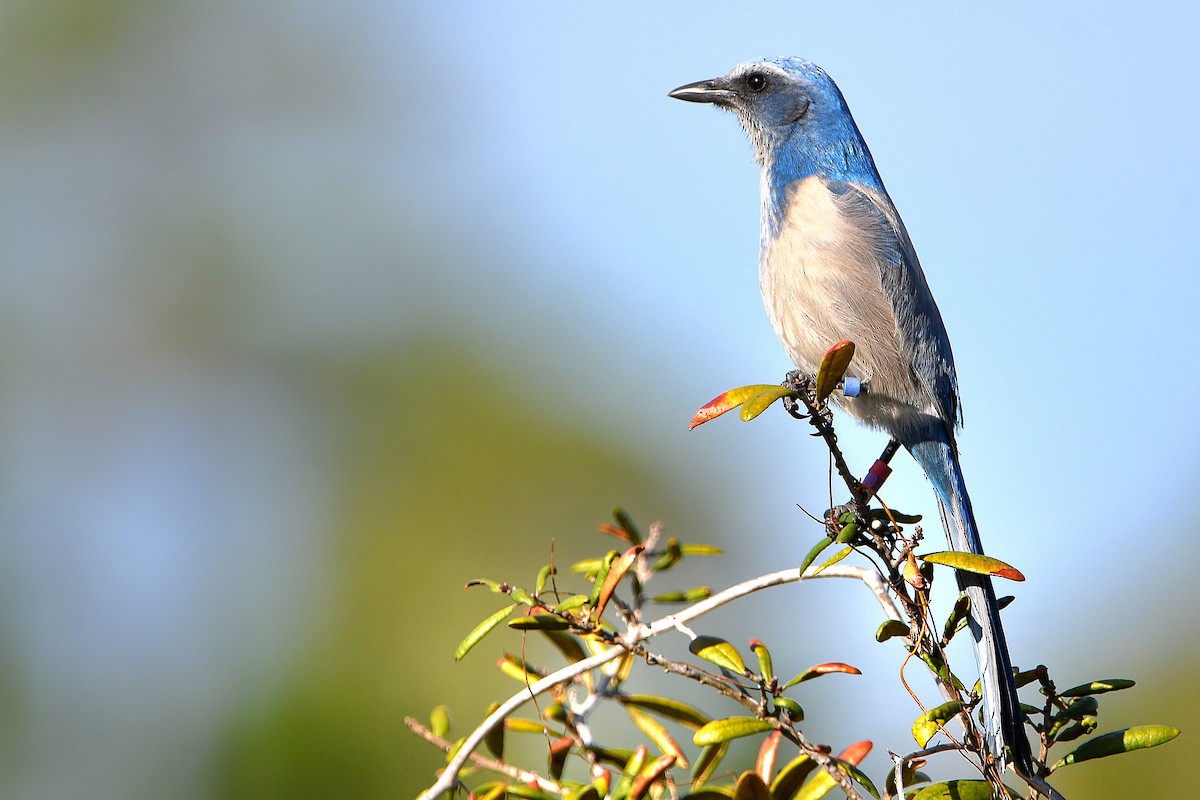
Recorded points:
(539,622)
(480,631)
(890,628)
(542,577)
(687,716)
(794,712)
(1098,687)
(824,542)
(751,787)
(761,401)
(439,721)
(789,779)
(932,721)
(684,595)
(707,763)
(571,603)
(1122,741)
(718,651)
(847,533)
(626,522)
(1083,707)
(974,562)
(958,617)
(891,514)
(1076,729)
(956,790)
(494,738)
(723,730)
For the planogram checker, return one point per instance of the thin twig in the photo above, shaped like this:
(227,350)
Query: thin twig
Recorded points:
(483,761)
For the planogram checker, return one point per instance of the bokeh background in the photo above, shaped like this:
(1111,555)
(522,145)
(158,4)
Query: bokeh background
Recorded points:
(313,311)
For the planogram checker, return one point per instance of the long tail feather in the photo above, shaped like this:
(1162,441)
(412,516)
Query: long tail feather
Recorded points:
(1002,709)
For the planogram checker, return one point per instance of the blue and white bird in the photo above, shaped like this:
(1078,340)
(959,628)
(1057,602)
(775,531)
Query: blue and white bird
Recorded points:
(835,263)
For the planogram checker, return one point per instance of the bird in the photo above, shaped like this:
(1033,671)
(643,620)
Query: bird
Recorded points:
(836,263)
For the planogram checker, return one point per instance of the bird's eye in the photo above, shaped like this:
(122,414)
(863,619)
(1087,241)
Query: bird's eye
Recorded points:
(756,82)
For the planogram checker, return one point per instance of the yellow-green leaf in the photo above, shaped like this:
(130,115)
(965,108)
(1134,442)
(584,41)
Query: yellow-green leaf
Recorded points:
(723,730)
(932,721)
(439,721)
(1098,687)
(822,783)
(691,595)
(833,366)
(656,733)
(974,562)
(956,790)
(687,716)
(833,559)
(700,550)
(761,401)
(765,667)
(727,401)
(522,725)
(718,651)
(480,631)
(544,574)
(1123,741)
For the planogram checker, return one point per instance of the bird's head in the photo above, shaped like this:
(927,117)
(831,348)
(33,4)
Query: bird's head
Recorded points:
(782,103)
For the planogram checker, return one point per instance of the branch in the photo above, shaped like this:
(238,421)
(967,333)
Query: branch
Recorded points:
(639,633)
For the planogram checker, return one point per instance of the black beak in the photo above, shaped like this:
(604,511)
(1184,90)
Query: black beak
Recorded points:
(715,91)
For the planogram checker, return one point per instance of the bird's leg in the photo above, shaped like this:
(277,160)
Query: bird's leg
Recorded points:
(880,470)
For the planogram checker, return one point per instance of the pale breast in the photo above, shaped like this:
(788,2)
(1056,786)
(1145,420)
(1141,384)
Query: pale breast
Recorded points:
(820,280)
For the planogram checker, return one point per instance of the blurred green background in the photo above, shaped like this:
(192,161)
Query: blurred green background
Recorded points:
(312,313)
